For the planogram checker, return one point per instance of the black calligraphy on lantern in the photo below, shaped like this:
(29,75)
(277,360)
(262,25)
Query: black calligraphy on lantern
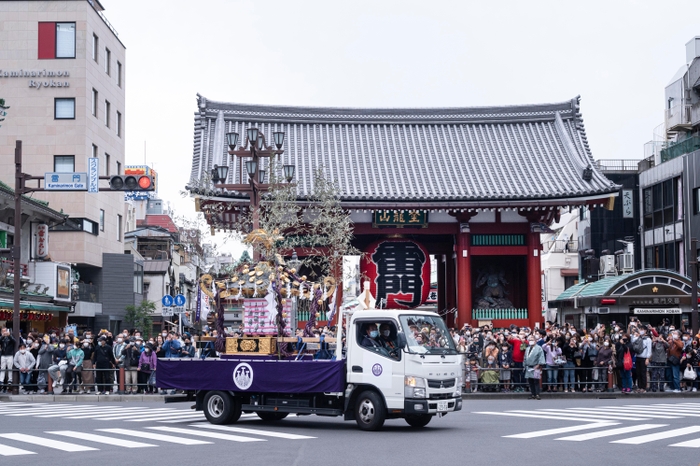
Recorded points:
(399,272)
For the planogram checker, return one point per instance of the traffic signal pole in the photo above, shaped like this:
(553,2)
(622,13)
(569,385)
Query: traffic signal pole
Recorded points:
(16,256)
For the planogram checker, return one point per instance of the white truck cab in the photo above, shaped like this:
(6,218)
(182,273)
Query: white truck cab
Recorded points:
(412,363)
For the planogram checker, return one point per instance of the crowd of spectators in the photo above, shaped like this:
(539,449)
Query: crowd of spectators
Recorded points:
(639,357)
(89,363)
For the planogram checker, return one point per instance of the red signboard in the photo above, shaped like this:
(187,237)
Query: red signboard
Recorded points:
(42,240)
(398,271)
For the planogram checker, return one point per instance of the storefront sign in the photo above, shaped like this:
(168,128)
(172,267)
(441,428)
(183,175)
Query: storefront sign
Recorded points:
(42,241)
(43,77)
(627,204)
(654,301)
(673,310)
(398,271)
(400,218)
(62,282)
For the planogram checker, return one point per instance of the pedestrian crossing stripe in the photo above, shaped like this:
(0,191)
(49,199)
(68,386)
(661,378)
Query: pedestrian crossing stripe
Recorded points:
(100,413)
(659,436)
(561,430)
(611,432)
(143,436)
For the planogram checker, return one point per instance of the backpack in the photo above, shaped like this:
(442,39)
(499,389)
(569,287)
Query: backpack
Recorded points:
(627,361)
(638,346)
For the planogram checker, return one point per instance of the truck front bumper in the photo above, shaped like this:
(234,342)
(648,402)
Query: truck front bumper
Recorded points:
(422,406)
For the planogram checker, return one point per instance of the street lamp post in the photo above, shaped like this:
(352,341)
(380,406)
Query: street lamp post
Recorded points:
(254,149)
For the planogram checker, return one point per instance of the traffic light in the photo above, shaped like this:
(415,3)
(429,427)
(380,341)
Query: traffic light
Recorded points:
(131,183)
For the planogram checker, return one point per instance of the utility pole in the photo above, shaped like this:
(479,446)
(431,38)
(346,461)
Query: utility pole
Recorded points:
(694,283)
(16,255)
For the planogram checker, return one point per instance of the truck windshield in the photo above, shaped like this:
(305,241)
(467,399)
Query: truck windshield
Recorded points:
(427,335)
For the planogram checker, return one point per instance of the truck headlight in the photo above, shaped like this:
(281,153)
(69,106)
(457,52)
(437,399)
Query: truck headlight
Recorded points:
(414,387)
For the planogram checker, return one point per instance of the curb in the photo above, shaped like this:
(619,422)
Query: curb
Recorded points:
(84,398)
(579,396)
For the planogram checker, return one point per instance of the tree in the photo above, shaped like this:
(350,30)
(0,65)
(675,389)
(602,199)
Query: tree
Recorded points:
(245,258)
(141,316)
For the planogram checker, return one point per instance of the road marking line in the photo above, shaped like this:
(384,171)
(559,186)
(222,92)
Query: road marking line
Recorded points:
(562,430)
(45,442)
(535,416)
(55,409)
(150,412)
(695,443)
(6,450)
(101,439)
(658,436)
(102,410)
(584,414)
(156,436)
(620,413)
(611,432)
(233,438)
(242,430)
(191,417)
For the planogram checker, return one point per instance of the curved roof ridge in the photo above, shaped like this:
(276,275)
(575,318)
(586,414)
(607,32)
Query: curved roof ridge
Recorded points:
(547,110)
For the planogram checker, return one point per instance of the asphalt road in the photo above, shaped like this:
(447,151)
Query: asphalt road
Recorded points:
(571,432)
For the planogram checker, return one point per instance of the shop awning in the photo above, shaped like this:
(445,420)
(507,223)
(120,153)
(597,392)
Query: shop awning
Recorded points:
(33,306)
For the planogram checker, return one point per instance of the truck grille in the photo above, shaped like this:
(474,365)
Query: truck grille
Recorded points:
(446,383)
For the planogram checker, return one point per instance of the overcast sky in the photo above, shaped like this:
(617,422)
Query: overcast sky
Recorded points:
(617,54)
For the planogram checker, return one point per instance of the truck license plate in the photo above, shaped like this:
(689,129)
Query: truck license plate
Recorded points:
(442,406)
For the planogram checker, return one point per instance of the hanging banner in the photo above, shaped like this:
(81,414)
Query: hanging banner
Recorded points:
(42,241)
(398,271)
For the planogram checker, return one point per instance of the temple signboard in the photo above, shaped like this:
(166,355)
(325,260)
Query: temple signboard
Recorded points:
(400,218)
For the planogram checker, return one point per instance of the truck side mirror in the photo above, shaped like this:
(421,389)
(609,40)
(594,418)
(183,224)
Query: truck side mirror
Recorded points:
(401,340)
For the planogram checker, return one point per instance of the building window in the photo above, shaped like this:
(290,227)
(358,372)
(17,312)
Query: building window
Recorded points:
(119,228)
(696,201)
(64,109)
(119,168)
(138,278)
(107,111)
(94,102)
(119,74)
(102,220)
(106,164)
(108,60)
(119,124)
(94,150)
(56,40)
(95,47)
(64,163)
(90,227)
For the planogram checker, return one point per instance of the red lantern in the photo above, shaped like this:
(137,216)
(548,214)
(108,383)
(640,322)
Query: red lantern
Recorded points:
(398,271)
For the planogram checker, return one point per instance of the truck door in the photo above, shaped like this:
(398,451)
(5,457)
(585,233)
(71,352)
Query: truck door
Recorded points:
(376,361)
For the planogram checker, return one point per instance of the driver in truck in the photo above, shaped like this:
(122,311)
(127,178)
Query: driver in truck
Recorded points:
(371,339)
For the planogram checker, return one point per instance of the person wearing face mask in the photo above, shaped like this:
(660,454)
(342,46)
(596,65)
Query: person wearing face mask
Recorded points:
(371,338)
(44,361)
(505,360)
(533,361)
(24,361)
(103,359)
(386,337)
(602,361)
(59,363)
(147,366)
(624,351)
(7,351)
(488,376)
(88,384)
(641,344)
(675,351)
(657,365)
(517,342)
(568,352)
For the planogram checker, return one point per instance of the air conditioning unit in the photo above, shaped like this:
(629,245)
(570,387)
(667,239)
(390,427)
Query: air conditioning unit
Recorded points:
(607,266)
(625,263)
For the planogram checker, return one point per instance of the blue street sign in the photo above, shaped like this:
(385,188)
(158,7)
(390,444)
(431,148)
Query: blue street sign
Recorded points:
(167,300)
(180,300)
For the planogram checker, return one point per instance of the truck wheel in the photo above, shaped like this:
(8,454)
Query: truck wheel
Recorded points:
(271,416)
(370,412)
(419,420)
(221,408)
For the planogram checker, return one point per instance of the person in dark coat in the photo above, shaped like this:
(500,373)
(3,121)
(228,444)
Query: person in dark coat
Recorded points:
(103,358)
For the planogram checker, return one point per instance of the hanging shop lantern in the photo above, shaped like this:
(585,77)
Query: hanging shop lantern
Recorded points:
(398,271)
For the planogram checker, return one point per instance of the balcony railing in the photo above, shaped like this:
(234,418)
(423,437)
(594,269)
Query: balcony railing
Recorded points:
(679,148)
(494,314)
(619,165)
(678,117)
(560,246)
(87,293)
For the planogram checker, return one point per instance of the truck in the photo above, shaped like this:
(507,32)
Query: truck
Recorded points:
(414,373)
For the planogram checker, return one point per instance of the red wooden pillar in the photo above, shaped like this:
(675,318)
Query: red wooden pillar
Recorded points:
(450,288)
(441,283)
(464,277)
(534,280)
